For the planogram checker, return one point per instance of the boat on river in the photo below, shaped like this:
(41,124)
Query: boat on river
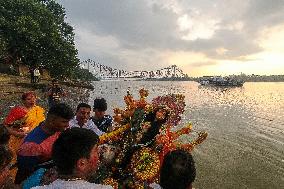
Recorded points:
(220,81)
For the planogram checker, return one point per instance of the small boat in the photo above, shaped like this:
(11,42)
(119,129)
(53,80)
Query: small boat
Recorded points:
(220,81)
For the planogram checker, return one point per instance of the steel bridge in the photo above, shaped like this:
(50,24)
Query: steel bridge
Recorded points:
(106,72)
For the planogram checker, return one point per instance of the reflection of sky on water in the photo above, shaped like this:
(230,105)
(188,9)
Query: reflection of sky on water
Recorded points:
(245,146)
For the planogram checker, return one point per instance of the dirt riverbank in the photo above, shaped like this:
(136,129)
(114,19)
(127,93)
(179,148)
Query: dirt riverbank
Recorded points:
(12,87)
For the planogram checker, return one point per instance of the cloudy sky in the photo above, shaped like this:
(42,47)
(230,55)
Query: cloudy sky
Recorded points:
(202,37)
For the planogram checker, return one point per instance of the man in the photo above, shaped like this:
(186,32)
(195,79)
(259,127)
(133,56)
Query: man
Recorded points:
(177,171)
(75,154)
(102,121)
(37,145)
(31,70)
(36,75)
(54,93)
(82,119)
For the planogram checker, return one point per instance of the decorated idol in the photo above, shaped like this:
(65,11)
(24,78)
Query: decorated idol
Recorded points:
(132,154)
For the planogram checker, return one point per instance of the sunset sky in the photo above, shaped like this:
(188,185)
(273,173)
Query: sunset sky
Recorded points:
(202,37)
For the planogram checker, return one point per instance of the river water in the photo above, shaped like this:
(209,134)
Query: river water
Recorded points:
(245,145)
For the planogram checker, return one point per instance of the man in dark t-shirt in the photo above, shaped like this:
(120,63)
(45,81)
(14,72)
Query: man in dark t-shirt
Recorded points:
(54,93)
(102,121)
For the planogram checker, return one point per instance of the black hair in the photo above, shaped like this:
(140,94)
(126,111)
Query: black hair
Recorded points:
(83,105)
(100,104)
(72,145)
(4,135)
(61,110)
(155,127)
(5,156)
(26,94)
(178,170)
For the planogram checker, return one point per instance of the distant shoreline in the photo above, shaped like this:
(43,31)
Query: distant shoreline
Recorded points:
(197,81)
(242,77)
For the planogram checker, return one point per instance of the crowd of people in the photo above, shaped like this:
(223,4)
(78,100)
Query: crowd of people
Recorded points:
(61,149)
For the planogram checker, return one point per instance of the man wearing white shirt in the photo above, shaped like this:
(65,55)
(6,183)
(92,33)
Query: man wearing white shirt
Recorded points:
(82,119)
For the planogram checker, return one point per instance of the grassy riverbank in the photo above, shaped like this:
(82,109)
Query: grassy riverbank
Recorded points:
(12,87)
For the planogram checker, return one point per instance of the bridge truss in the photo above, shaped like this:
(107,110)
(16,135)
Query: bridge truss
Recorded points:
(106,72)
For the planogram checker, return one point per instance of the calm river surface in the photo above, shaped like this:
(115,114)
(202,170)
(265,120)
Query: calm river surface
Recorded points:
(245,146)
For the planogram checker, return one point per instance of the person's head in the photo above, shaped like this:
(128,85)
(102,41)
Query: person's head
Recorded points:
(4,135)
(75,152)
(83,112)
(29,99)
(178,170)
(58,117)
(100,106)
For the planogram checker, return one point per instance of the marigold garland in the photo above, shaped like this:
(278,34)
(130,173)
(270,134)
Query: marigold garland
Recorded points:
(112,182)
(145,164)
(114,135)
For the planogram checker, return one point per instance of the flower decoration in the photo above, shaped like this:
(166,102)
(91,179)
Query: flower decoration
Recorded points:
(168,140)
(143,93)
(110,181)
(174,104)
(131,105)
(145,164)
(114,135)
(142,102)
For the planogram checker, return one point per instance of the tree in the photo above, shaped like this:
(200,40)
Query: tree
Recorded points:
(83,74)
(3,47)
(35,32)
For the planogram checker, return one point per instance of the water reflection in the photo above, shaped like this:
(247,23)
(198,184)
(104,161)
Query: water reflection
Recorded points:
(245,148)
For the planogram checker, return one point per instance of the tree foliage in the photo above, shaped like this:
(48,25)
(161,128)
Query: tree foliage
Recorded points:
(35,32)
(83,74)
